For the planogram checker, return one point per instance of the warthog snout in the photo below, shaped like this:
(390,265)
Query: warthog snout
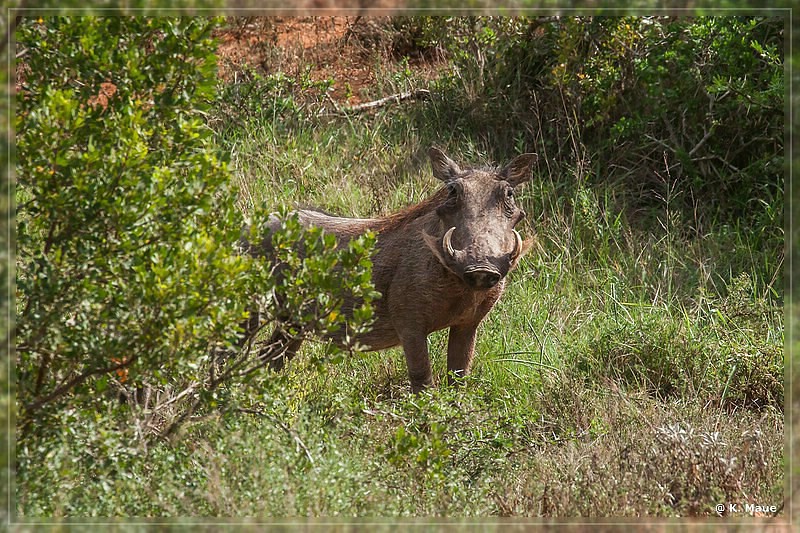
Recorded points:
(480,271)
(482,277)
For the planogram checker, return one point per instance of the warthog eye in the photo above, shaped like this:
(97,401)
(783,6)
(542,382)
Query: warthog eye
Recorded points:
(453,188)
(453,195)
(508,202)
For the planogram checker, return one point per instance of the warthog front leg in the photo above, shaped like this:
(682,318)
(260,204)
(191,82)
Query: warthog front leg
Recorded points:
(419,364)
(460,349)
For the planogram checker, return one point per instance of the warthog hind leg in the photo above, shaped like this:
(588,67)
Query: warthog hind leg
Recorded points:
(282,346)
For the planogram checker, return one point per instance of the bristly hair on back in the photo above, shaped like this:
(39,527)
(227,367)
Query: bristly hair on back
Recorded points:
(409,214)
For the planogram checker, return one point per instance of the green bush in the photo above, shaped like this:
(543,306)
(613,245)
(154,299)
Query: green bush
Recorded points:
(707,93)
(128,274)
(130,282)
(125,218)
(621,97)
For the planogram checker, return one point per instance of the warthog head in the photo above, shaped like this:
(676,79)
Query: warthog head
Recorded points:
(478,242)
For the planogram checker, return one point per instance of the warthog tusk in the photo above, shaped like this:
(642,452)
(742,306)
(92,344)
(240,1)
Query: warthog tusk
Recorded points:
(447,245)
(517,245)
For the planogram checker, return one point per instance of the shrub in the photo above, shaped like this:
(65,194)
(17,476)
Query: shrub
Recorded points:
(616,95)
(125,217)
(652,85)
(129,278)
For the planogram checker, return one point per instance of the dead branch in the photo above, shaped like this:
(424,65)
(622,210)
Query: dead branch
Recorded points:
(417,94)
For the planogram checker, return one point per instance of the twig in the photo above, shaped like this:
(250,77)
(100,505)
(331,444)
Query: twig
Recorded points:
(72,382)
(349,33)
(190,389)
(335,105)
(702,141)
(284,427)
(523,361)
(376,412)
(395,98)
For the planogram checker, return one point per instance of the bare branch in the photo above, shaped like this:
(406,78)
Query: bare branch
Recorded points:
(75,381)
(375,104)
(702,141)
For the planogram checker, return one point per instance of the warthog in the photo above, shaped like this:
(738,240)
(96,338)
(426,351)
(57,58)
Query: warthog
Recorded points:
(439,264)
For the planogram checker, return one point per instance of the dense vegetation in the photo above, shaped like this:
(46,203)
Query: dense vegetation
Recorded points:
(634,366)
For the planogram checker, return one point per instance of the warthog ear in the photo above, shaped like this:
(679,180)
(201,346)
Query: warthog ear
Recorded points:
(519,170)
(444,168)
